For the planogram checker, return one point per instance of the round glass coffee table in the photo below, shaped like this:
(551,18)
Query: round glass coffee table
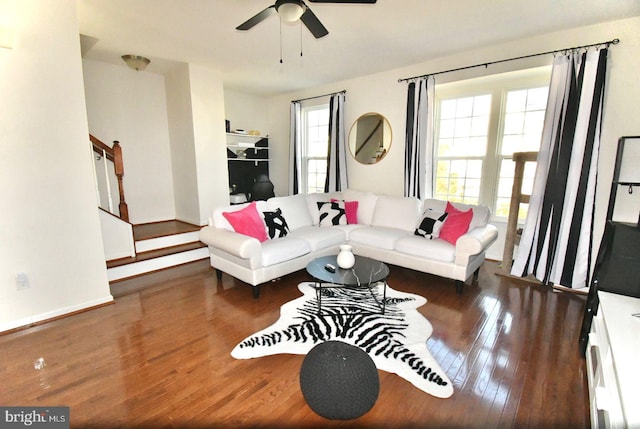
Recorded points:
(364,273)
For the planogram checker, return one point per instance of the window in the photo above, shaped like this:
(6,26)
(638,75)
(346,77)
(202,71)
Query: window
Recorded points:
(315,140)
(479,125)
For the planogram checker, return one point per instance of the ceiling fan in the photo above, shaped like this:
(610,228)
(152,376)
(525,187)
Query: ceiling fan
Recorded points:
(292,10)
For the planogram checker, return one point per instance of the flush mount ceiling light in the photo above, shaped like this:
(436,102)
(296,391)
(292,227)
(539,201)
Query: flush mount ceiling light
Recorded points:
(290,11)
(136,62)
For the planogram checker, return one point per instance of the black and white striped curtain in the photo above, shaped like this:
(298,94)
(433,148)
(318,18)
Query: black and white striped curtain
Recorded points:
(295,156)
(556,243)
(336,179)
(419,138)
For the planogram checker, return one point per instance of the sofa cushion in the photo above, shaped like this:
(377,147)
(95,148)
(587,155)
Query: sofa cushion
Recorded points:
(456,224)
(380,237)
(332,213)
(437,249)
(276,224)
(481,213)
(294,209)
(366,204)
(321,238)
(247,221)
(283,249)
(393,212)
(430,224)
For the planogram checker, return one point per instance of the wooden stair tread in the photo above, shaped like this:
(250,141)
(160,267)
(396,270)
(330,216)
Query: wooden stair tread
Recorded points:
(148,231)
(157,253)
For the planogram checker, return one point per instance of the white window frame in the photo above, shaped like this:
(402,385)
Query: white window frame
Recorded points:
(304,146)
(498,86)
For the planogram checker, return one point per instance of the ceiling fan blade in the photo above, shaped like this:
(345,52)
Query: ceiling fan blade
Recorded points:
(257,19)
(344,1)
(314,25)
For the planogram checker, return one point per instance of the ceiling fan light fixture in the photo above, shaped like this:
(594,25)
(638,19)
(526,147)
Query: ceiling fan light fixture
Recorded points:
(136,62)
(290,11)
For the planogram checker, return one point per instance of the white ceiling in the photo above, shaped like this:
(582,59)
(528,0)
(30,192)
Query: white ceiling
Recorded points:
(363,39)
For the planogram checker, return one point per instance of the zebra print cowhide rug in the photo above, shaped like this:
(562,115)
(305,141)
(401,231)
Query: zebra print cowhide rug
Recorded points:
(396,340)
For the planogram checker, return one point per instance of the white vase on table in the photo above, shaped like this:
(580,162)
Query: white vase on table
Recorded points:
(345,258)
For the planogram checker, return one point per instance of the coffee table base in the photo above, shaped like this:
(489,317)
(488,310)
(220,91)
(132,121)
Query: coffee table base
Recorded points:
(320,286)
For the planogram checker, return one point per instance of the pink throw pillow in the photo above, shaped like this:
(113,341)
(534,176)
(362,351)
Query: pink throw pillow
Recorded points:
(350,210)
(247,221)
(456,224)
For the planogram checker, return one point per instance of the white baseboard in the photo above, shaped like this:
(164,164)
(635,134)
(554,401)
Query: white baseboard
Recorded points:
(36,318)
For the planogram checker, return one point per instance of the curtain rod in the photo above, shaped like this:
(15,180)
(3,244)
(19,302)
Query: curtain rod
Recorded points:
(344,91)
(608,43)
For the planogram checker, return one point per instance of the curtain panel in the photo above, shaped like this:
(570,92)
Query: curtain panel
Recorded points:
(336,179)
(295,156)
(557,239)
(418,157)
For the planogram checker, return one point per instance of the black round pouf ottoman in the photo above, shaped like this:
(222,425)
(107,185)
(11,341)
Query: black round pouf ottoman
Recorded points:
(339,381)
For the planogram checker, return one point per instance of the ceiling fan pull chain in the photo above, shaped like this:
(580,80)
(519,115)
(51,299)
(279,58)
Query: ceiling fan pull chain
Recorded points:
(300,26)
(280,40)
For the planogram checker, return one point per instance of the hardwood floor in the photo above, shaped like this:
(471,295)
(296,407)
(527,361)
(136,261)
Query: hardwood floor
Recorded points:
(160,357)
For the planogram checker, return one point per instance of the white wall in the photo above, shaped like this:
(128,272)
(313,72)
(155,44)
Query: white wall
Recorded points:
(49,228)
(246,111)
(183,157)
(207,104)
(383,93)
(130,106)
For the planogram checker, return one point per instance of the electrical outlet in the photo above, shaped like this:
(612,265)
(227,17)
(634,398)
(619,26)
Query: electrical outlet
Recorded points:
(22,281)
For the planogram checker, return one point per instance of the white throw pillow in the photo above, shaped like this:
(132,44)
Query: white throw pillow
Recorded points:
(430,224)
(332,213)
(315,198)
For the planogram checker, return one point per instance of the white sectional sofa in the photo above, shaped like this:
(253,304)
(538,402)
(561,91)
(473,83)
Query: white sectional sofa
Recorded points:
(385,230)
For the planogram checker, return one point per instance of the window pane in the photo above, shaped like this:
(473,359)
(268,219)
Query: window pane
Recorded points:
(464,107)
(448,109)
(445,148)
(447,127)
(516,101)
(482,105)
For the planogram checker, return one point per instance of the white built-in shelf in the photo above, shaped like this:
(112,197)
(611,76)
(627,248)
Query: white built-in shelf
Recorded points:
(612,362)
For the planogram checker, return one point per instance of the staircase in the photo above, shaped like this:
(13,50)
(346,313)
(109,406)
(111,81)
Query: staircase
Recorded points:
(159,245)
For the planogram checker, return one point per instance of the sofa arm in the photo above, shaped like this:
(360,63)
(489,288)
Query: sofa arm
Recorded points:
(474,242)
(231,242)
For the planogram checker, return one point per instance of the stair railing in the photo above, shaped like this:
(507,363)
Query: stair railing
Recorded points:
(113,154)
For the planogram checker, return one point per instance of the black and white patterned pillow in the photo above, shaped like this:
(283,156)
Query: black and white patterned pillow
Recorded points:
(332,213)
(431,224)
(276,224)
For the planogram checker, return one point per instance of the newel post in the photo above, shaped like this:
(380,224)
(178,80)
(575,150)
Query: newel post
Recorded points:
(118,166)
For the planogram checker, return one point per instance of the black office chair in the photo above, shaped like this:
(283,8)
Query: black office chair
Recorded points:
(262,188)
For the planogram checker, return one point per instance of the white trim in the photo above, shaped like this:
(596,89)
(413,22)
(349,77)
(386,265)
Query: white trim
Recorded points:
(167,241)
(27,321)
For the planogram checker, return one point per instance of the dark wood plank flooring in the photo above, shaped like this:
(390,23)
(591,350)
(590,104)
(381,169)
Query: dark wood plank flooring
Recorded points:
(160,357)
(145,231)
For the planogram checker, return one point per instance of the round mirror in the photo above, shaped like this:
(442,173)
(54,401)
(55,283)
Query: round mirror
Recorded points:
(370,138)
